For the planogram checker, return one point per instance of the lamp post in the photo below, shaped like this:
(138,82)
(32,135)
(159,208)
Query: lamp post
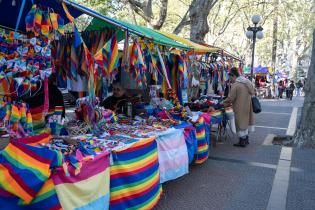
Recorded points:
(254,32)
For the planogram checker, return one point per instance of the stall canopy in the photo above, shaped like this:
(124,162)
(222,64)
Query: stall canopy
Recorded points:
(9,14)
(155,36)
(196,47)
(261,70)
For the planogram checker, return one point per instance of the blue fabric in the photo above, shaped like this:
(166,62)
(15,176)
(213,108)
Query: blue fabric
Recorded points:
(9,14)
(191,141)
(101,203)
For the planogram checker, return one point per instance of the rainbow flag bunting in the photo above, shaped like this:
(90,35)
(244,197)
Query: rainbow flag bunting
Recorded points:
(137,63)
(108,58)
(135,176)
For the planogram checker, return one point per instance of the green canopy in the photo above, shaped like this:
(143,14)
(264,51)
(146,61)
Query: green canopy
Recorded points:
(156,37)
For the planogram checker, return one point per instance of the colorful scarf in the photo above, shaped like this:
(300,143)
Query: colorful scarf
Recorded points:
(202,143)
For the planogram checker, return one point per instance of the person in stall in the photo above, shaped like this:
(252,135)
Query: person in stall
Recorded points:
(239,97)
(117,101)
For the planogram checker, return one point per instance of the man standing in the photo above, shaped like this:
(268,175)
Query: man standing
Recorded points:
(240,97)
(299,86)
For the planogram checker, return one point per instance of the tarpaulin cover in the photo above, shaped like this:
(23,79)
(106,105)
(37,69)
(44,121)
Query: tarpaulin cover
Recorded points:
(196,47)
(9,14)
(173,155)
(147,32)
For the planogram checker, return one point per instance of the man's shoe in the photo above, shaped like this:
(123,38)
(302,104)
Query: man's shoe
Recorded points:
(241,143)
(246,140)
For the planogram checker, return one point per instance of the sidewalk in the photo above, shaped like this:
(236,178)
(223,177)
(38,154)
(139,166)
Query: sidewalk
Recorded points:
(249,178)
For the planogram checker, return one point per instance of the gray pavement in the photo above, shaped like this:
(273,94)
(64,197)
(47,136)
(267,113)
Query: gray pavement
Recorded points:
(243,178)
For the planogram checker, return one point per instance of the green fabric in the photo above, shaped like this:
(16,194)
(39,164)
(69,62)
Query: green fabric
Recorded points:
(156,37)
(246,70)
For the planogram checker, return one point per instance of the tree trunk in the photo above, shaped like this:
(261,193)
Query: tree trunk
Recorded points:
(305,135)
(275,37)
(199,19)
(294,65)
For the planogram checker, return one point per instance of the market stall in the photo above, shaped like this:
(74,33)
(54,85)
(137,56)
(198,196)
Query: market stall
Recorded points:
(95,159)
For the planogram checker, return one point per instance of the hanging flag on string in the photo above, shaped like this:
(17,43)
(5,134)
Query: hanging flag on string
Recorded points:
(108,58)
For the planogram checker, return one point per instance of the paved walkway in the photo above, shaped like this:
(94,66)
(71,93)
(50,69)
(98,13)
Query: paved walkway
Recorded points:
(258,177)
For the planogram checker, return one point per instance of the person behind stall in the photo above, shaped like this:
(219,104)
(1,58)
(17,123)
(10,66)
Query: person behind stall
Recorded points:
(117,100)
(239,97)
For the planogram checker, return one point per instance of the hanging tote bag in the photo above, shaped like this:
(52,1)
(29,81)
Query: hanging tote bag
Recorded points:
(256,105)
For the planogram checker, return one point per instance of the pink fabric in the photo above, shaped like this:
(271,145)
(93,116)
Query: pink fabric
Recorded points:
(89,169)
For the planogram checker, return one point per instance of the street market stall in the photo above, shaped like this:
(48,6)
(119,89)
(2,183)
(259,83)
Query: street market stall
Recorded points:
(97,159)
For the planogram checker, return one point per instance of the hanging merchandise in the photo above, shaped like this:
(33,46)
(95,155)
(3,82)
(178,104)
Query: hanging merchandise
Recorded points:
(17,119)
(108,58)
(163,67)
(125,57)
(150,62)
(88,62)
(45,22)
(137,65)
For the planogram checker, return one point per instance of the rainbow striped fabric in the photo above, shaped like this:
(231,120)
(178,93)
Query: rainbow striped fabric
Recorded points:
(135,176)
(202,143)
(46,198)
(108,58)
(87,190)
(216,117)
(38,119)
(24,169)
(43,138)
(173,154)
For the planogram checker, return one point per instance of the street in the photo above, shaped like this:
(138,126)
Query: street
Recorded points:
(260,176)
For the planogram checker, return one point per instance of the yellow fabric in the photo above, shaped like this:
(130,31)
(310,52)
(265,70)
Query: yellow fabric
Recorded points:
(73,195)
(195,46)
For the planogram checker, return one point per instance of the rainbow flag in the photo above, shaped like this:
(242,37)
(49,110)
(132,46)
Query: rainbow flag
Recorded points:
(135,176)
(24,169)
(137,63)
(202,143)
(108,58)
(87,190)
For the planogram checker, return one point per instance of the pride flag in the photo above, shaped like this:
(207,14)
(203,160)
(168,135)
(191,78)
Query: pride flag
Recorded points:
(108,58)
(173,154)
(135,176)
(46,198)
(24,169)
(87,190)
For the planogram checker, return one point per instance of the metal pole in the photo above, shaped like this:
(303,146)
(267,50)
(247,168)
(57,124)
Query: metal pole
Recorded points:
(253,55)
(102,17)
